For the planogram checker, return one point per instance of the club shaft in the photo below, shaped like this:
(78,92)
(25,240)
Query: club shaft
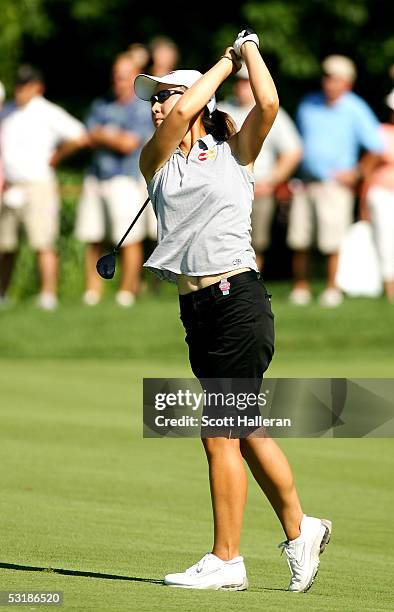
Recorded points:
(132,224)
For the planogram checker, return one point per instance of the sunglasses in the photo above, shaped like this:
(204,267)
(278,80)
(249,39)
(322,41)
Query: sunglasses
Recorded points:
(163,95)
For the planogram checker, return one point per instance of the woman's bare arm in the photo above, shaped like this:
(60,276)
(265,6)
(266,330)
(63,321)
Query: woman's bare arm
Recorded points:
(247,143)
(174,127)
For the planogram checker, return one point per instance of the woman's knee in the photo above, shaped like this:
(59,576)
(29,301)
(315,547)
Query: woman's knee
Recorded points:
(220,446)
(258,439)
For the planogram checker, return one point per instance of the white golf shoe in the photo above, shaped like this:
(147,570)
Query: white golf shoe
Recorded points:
(331,298)
(212,573)
(47,301)
(91,297)
(303,552)
(125,298)
(300,297)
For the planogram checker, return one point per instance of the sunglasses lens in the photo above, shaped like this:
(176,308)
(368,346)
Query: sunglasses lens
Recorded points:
(160,97)
(163,95)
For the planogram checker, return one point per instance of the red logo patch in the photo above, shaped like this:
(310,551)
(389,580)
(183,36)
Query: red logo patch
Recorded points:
(203,156)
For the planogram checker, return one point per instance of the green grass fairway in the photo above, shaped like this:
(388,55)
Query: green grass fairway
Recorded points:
(356,339)
(82,491)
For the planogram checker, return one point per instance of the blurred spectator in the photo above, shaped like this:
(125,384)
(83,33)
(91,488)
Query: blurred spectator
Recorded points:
(164,55)
(280,156)
(2,99)
(378,205)
(34,136)
(139,55)
(2,94)
(113,188)
(335,125)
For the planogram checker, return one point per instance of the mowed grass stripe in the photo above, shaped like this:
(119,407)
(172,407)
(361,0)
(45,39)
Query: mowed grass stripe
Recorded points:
(83,491)
(360,329)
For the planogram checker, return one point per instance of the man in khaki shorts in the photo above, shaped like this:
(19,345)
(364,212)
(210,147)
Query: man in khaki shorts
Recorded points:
(113,188)
(335,125)
(34,135)
(280,156)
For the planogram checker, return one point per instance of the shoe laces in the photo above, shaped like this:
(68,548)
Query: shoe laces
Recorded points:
(198,567)
(295,556)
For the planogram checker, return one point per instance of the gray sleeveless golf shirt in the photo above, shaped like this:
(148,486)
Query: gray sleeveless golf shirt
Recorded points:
(203,204)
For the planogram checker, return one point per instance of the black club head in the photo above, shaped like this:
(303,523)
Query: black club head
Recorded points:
(106,265)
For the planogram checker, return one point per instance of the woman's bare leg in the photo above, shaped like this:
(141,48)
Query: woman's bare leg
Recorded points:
(48,268)
(272,472)
(389,290)
(93,281)
(228,482)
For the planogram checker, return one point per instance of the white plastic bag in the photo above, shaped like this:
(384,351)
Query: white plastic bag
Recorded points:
(358,266)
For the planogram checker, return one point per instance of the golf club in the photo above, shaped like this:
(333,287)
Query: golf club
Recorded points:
(106,265)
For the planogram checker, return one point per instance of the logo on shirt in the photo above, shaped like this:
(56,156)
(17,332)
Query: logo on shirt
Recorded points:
(209,154)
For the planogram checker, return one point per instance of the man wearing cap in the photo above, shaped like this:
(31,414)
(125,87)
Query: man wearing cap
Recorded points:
(34,135)
(113,189)
(274,165)
(335,125)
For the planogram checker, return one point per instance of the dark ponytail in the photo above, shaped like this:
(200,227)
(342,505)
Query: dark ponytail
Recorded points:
(219,124)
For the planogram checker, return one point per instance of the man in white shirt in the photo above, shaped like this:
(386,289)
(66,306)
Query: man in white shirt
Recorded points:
(34,136)
(276,163)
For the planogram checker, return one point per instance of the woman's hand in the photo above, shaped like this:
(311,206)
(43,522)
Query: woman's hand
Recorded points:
(231,55)
(246,144)
(246,35)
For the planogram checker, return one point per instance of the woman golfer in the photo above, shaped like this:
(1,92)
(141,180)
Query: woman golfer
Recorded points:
(198,171)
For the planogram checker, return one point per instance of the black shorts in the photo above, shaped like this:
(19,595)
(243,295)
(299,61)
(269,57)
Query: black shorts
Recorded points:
(230,336)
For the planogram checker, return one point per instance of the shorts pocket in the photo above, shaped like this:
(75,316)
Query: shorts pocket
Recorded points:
(267,304)
(262,299)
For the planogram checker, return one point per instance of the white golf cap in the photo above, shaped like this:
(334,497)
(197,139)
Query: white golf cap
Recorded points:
(145,84)
(340,66)
(390,100)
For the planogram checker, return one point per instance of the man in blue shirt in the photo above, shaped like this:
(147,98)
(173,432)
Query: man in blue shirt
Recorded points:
(113,188)
(335,125)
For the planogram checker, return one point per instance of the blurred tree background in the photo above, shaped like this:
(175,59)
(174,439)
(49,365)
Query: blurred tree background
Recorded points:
(74,41)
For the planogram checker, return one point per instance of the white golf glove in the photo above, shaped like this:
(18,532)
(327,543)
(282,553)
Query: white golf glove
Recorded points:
(242,37)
